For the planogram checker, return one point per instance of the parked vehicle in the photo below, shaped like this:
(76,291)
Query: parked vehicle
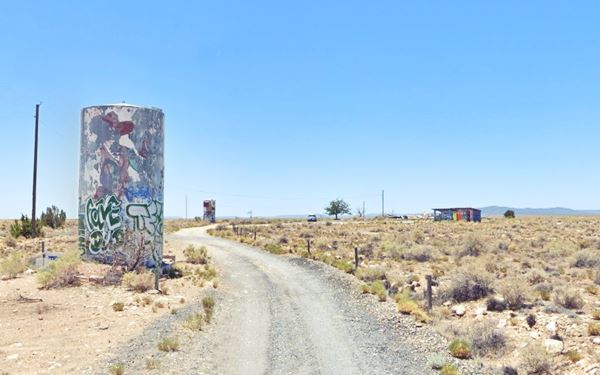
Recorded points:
(312,218)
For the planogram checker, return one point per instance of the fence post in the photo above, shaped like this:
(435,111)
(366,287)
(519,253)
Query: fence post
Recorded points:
(254,234)
(43,254)
(429,296)
(308,246)
(356,258)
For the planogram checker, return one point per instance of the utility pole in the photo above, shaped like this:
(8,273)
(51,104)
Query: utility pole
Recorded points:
(363,213)
(382,203)
(35,154)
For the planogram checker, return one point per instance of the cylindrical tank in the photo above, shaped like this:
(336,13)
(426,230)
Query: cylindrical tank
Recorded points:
(121,183)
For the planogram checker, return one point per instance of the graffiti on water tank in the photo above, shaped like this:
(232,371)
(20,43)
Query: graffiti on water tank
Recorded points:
(121,181)
(147,217)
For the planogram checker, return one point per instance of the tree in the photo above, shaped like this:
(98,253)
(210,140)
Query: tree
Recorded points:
(509,214)
(338,207)
(54,217)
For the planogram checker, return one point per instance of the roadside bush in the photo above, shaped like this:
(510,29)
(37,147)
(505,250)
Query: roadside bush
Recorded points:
(460,349)
(486,338)
(370,274)
(117,369)
(196,255)
(469,285)
(343,265)
(138,281)
(15,264)
(587,259)
(569,298)
(208,304)
(54,217)
(407,305)
(275,249)
(193,323)
(24,228)
(378,289)
(448,369)
(515,292)
(169,344)
(62,272)
(535,359)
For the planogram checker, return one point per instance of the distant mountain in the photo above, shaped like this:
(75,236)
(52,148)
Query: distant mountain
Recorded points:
(553,211)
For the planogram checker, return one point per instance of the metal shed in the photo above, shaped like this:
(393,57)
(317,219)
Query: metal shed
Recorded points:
(457,214)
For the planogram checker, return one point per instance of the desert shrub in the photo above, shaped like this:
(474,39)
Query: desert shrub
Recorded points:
(486,338)
(117,369)
(587,259)
(275,249)
(573,356)
(448,369)
(152,364)
(407,305)
(474,246)
(418,253)
(535,359)
(138,281)
(515,292)
(545,291)
(343,265)
(193,322)
(54,217)
(594,329)
(509,214)
(24,228)
(569,298)
(596,314)
(378,289)
(370,274)
(61,272)
(208,304)
(560,249)
(507,370)
(469,285)
(196,255)
(169,344)
(460,349)
(118,306)
(15,264)
(495,304)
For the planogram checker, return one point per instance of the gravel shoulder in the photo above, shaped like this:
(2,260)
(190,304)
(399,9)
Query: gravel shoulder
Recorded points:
(286,315)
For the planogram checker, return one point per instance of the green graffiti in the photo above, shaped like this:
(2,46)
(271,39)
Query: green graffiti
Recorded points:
(103,222)
(147,217)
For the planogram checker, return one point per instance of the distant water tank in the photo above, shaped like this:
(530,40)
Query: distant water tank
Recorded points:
(121,183)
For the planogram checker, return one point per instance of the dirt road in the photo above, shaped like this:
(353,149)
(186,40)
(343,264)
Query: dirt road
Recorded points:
(283,315)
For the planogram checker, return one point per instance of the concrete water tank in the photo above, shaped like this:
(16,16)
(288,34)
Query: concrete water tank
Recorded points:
(121,183)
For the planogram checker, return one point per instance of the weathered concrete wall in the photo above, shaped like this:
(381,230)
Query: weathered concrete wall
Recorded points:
(121,183)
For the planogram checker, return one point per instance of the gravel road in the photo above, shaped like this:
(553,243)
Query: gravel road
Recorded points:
(288,315)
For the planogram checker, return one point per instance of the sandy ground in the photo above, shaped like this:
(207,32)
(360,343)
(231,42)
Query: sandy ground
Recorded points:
(72,330)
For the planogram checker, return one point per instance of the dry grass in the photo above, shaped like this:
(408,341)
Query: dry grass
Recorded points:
(138,281)
(62,272)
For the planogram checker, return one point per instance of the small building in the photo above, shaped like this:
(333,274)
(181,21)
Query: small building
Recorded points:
(457,214)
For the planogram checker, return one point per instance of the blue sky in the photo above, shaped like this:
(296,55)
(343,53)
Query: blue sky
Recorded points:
(278,107)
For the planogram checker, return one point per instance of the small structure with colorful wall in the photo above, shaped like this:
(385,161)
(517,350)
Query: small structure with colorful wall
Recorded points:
(457,214)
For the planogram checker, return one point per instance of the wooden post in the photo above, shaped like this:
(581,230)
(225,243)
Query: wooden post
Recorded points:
(356,258)
(43,254)
(254,234)
(429,296)
(308,246)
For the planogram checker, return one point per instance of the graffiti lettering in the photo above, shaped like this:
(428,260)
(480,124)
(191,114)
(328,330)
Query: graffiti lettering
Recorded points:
(103,221)
(147,217)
